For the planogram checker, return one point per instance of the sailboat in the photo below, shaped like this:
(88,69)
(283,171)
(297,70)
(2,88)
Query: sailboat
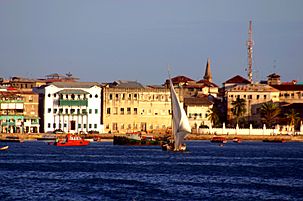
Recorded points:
(180,124)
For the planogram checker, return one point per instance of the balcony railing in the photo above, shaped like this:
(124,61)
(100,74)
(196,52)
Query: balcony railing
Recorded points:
(63,102)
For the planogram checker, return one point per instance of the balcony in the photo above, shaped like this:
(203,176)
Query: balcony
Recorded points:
(63,102)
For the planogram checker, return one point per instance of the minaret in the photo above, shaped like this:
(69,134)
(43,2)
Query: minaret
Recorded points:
(208,76)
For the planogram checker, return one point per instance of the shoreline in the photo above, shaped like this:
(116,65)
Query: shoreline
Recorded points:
(109,137)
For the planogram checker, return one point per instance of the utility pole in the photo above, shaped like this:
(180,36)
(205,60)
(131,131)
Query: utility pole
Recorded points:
(249,44)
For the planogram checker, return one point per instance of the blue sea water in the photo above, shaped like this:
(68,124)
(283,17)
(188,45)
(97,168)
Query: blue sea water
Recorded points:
(102,171)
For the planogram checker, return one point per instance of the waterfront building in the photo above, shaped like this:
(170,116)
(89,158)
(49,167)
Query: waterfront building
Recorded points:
(11,112)
(254,95)
(18,111)
(197,109)
(73,107)
(128,107)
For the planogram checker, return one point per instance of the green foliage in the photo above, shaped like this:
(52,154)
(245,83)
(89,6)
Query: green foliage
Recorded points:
(239,108)
(269,112)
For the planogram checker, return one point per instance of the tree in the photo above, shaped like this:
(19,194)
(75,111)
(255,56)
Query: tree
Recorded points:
(238,108)
(293,118)
(213,115)
(269,112)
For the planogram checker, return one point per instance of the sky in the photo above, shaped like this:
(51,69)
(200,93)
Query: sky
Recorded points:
(108,40)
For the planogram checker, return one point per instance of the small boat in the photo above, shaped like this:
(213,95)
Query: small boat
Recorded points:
(237,140)
(180,125)
(3,148)
(71,140)
(11,139)
(135,139)
(219,140)
(275,140)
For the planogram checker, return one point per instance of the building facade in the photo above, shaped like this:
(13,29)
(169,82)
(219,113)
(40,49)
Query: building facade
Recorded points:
(254,95)
(136,109)
(73,107)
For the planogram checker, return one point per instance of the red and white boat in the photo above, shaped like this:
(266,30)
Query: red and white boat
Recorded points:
(71,140)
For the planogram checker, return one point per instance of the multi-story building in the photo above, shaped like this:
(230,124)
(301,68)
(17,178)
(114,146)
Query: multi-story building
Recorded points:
(254,95)
(19,112)
(71,106)
(11,112)
(129,107)
(197,109)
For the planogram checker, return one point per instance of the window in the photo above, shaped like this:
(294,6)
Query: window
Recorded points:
(249,96)
(96,96)
(66,111)
(123,96)
(264,96)
(49,95)
(72,111)
(135,96)
(115,110)
(121,110)
(83,111)
(129,96)
(65,125)
(128,110)
(95,126)
(55,111)
(54,125)
(110,96)
(78,111)
(89,125)
(117,96)
(108,111)
(49,110)
(79,125)
(90,111)
(48,125)
(73,96)
(258,96)
(84,125)
(135,110)
(96,111)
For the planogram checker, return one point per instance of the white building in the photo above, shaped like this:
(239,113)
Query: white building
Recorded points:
(74,107)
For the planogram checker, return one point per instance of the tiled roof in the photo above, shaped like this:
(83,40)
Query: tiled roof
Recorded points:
(179,79)
(287,87)
(75,84)
(126,84)
(238,79)
(253,88)
(197,101)
(207,83)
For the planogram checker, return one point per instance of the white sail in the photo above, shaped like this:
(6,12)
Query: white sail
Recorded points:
(181,126)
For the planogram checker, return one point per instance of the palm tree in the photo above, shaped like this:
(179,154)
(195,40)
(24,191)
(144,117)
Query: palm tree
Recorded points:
(293,118)
(238,108)
(269,112)
(213,115)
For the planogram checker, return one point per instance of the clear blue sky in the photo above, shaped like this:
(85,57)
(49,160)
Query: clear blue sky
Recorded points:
(103,41)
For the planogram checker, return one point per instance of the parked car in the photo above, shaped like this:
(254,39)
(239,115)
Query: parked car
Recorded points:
(59,131)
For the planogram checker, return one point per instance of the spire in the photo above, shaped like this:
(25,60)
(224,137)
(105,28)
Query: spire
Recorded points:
(208,76)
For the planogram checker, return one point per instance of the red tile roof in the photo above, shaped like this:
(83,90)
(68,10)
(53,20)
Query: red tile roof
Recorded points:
(238,79)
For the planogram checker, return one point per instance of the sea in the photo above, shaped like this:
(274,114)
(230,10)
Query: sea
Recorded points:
(103,171)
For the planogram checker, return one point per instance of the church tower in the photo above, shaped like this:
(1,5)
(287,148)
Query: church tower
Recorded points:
(208,76)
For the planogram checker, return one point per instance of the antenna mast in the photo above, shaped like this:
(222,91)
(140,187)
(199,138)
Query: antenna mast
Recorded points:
(249,44)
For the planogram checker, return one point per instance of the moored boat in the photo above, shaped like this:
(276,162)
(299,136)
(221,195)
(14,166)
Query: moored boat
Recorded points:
(237,140)
(276,140)
(219,140)
(3,148)
(71,140)
(135,138)
(11,139)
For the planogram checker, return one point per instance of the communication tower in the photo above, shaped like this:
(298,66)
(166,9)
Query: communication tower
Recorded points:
(249,44)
